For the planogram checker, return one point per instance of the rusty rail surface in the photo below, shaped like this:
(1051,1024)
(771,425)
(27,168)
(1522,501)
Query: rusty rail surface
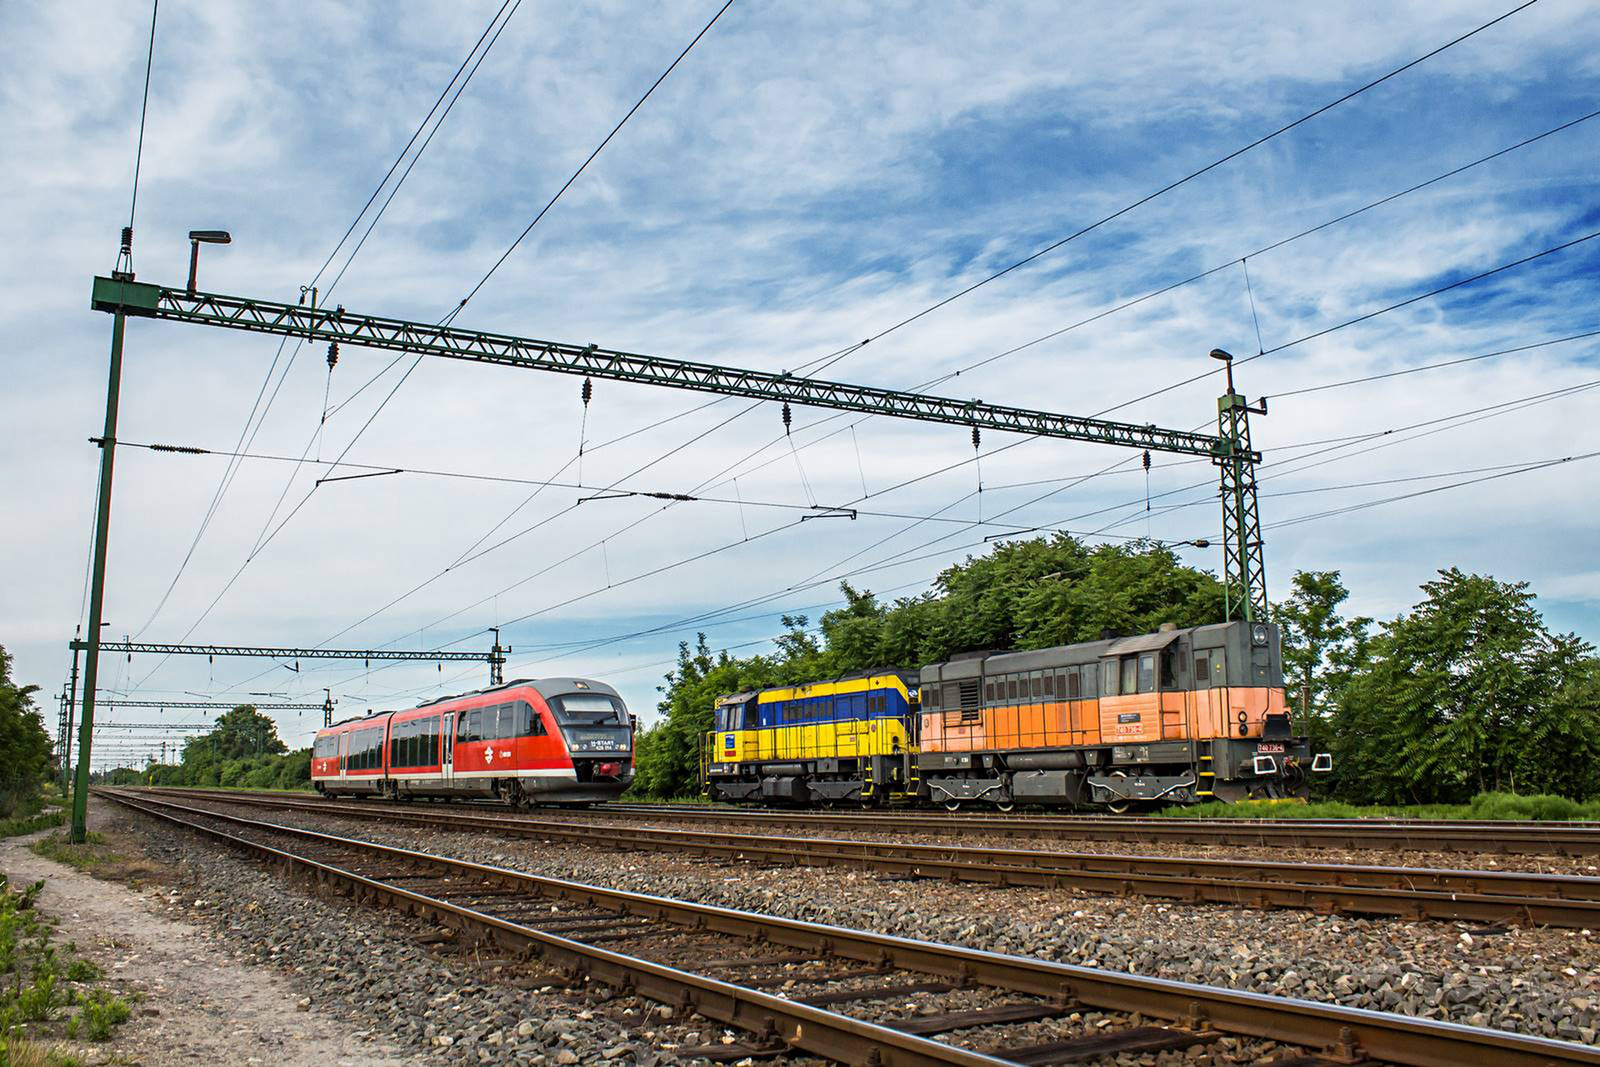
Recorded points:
(1351,1033)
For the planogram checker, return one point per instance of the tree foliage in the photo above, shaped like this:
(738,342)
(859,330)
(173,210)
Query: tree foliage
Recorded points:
(1470,693)
(1321,649)
(243,750)
(25,758)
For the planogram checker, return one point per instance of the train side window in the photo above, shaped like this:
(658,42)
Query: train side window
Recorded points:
(508,721)
(1169,668)
(1130,675)
(531,724)
(464,727)
(1147,673)
(1108,679)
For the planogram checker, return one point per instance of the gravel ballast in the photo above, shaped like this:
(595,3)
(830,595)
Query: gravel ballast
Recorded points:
(1544,982)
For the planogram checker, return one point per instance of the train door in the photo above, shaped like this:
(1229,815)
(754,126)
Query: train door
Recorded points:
(1211,684)
(344,752)
(448,751)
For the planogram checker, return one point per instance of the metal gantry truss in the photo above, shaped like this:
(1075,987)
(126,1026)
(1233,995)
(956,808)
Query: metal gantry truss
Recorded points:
(220,705)
(495,657)
(400,335)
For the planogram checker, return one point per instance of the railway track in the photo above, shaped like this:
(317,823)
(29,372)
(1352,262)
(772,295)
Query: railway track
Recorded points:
(1404,892)
(1510,838)
(843,990)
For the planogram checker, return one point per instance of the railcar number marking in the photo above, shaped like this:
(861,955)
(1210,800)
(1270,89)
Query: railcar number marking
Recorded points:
(1270,747)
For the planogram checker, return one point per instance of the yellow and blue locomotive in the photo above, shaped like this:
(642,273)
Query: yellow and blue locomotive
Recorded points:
(848,739)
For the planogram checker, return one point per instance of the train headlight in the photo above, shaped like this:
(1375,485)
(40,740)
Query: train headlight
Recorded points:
(1258,635)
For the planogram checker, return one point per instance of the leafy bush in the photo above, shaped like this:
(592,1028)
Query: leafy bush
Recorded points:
(25,760)
(100,1014)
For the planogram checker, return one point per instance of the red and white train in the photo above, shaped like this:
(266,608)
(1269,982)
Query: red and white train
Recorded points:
(545,741)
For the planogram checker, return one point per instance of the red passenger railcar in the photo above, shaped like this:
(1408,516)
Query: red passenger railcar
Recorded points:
(546,741)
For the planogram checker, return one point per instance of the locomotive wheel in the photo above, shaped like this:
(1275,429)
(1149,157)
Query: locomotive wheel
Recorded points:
(1118,807)
(952,805)
(1005,805)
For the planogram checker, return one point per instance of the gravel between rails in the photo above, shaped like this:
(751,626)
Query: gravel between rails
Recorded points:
(399,976)
(1536,981)
(1578,865)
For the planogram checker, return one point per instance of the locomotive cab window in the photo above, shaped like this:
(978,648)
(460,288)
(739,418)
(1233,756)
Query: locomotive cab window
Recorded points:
(1147,673)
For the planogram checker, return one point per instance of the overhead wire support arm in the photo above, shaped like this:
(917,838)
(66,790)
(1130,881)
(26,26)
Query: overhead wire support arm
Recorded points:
(400,335)
(264,652)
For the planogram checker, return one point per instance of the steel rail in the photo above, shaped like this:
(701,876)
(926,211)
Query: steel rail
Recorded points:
(1353,1031)
(1570,901)
(1406,822)
(1530,839)
(798,1025)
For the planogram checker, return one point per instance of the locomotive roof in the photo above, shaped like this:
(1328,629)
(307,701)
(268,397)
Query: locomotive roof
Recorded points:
(545,687)
(972,665)
(905,674)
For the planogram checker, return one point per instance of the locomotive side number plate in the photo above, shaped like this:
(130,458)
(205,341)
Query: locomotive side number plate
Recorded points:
(1270,748)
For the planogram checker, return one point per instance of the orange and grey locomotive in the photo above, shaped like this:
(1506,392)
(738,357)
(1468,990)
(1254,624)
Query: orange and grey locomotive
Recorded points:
(1173,717)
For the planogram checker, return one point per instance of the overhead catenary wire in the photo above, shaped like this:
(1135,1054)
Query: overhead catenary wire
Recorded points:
(1060,526)
(1173,185)
(247,435)
(1519,8)
(265,538)
(1170,287)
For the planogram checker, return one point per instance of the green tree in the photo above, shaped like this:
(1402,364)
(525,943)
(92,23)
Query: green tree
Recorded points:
(667,754)
(25,758)
(1321,648)
(1471,693)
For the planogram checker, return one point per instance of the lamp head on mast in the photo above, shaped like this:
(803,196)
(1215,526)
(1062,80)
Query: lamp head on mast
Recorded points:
(198,238)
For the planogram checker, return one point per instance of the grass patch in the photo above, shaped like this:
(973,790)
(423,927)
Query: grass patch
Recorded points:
(46,991)
(18,825)
(1484,806)
(94,856)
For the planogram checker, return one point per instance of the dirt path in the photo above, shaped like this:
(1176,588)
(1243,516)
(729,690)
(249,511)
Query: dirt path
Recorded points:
(198,1005)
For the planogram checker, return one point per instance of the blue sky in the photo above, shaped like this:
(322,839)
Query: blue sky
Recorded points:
(809,176)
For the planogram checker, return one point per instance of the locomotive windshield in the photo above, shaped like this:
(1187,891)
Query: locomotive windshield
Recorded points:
(588,709)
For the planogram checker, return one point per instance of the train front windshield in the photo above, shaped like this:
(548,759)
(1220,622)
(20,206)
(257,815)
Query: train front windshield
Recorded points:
(592,722)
